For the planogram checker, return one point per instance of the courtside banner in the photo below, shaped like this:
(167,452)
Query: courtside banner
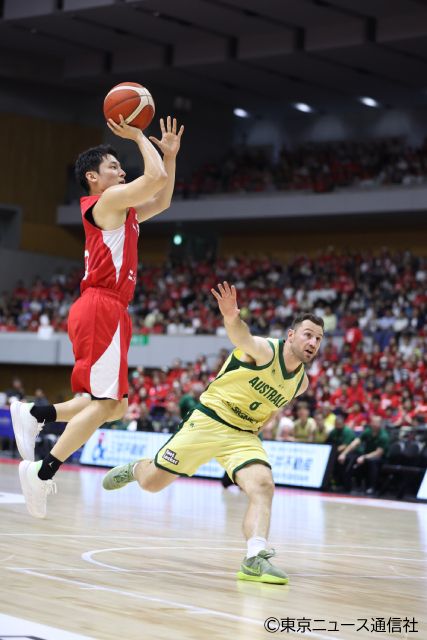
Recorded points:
(111,447)
(298,464)
(422,491)
(293,463)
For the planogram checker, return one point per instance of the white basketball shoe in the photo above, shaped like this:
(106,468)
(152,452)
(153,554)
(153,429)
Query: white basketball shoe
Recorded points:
(25,427)
(35,490)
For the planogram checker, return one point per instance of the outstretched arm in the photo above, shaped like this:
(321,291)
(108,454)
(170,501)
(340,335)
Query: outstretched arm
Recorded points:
(122,196)
(238,331)
(169,145)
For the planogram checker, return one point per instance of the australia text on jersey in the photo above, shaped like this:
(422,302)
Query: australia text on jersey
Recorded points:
(268,391)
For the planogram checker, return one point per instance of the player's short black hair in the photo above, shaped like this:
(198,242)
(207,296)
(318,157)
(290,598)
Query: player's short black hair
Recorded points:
(90,160)
(307,316)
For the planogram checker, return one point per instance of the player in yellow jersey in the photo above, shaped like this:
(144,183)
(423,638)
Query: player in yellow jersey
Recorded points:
(259,377)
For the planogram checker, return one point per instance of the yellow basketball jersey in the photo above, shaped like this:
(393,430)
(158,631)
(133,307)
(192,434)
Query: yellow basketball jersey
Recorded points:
(245,396)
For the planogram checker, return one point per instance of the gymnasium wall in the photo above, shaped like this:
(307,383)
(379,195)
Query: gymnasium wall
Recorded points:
(34,176)
(54,381)
(289,243)
(286,243)
(63,104)
(26,265)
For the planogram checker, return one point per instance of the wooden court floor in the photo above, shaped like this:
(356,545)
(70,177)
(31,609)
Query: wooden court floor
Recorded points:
(134,565)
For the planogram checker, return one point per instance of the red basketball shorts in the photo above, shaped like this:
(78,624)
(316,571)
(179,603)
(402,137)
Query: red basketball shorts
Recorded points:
(100,329)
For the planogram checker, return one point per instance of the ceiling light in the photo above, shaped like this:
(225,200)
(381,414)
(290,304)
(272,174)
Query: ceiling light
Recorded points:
(301,106)
(369,102)
(241,113)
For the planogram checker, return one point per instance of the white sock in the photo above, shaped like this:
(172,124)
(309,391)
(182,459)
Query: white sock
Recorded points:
(255,545)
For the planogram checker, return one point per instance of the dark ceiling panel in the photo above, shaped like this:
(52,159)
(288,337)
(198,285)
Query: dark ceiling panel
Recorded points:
(141,22)
(79,29)
(302,13)
(15,65)
(342,80)
(219,18)
(184,81)
(414,46)
(19,37)
(264,84)
(383,62)
(314,70)
(187,32)
(377,8)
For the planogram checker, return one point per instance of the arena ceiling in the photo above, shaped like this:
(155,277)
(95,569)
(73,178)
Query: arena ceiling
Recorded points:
(326,53)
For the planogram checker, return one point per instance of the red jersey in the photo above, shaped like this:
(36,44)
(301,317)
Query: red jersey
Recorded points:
(111,257)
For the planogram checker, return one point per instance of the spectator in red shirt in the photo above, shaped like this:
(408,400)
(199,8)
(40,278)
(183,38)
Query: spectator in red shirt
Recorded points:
(355,392)
(353,336)
(357,417)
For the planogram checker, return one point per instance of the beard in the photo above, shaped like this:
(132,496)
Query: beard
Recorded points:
(302,355)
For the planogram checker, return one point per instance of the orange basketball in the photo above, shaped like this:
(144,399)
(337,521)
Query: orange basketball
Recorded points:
(133,101)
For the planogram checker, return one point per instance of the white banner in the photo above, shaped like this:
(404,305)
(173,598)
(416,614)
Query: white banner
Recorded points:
(298,464)
(111,447)
(422,491)
(293,463)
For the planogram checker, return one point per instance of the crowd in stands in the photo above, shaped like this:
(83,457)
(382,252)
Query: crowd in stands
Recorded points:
(357,294)
(374,357)
(318,167)
(373,362)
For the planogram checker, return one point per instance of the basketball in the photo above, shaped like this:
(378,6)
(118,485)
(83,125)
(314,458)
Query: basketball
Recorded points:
(133,101)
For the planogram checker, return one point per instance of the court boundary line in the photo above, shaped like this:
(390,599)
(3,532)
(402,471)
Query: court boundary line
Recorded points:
(87,555)
(186,607)
(137,572)
(204,539)
(284,546)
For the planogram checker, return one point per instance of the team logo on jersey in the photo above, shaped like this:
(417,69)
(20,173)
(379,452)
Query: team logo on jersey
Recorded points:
(269,392)
(170,456)
(132,275)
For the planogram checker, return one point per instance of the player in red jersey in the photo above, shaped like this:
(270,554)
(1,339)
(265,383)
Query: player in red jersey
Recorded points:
(99,325)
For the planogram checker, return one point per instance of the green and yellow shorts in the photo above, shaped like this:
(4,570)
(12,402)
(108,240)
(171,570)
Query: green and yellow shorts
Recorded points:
(201,438)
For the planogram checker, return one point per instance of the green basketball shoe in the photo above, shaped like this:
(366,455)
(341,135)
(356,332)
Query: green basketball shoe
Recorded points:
(119,477)
(260,569)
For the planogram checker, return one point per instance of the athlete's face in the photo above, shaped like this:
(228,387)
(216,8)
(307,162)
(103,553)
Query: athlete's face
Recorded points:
(305,341)
(109,174)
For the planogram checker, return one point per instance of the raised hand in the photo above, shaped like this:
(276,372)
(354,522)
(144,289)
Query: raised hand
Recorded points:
(171,140)
(226,297)
(124,130)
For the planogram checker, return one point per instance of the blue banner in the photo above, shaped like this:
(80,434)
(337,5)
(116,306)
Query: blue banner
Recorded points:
(6,429)
(293,463)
